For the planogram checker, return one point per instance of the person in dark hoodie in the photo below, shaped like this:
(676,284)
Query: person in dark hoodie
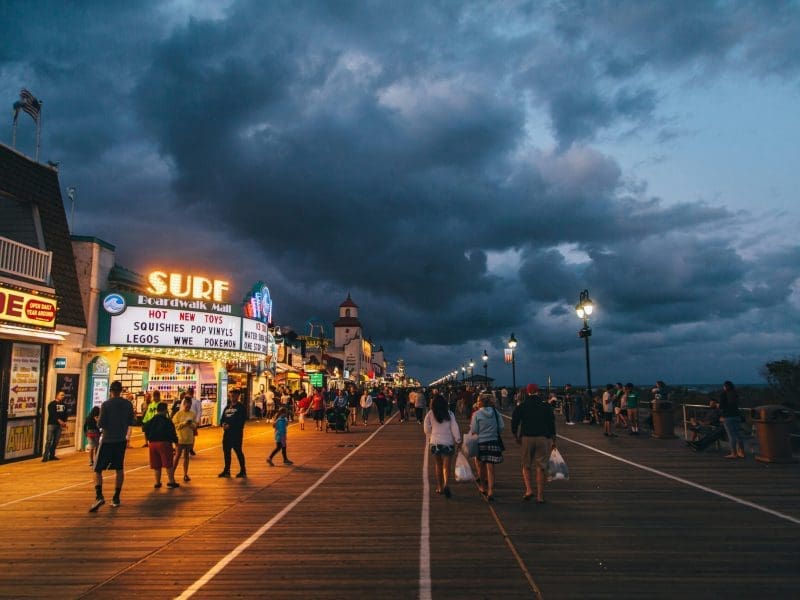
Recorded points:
(232,422)
(161,436)
(534,428)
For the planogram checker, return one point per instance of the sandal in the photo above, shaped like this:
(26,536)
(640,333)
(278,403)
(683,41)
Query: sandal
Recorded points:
(527,497)
(438,491)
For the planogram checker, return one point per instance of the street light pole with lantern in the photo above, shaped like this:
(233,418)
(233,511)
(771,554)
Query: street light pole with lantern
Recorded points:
(471,373)
(584,309)
(485,359)
(512,344)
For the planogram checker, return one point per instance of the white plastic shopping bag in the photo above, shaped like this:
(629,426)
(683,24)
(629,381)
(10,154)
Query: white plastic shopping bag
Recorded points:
(557,467)
(463,470)
(470,445)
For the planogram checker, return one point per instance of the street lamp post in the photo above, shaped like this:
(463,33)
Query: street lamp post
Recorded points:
(471,371)
(584,308)
(512,344)
(485,359)
(463,373)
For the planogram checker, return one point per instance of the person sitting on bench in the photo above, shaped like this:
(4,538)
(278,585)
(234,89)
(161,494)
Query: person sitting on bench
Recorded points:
(706,430)
(708,421)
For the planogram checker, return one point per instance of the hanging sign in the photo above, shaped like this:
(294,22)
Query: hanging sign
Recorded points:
(25,308)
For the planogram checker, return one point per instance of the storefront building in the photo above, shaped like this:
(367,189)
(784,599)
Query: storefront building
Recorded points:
(172,333)
(42,324)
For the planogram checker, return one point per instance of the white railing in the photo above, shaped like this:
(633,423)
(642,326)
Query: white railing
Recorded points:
(25,261)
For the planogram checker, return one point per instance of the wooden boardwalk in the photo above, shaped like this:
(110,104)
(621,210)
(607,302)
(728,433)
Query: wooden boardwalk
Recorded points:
(638,518)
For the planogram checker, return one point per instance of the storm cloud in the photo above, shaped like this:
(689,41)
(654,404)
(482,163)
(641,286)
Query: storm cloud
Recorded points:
(463,169)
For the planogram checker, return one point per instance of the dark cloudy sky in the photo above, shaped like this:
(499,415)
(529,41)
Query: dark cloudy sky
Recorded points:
(464,169)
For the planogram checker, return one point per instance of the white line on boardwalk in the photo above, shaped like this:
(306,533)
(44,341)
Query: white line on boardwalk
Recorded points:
(709,490)
(213,571)
(425,533)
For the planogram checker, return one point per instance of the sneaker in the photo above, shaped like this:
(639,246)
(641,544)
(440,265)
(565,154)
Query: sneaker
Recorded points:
(115,501)
(97,504)
(54,458)
(157,485)
(240,475)
(173,485)
(270,463)
(288,462)
(225,474)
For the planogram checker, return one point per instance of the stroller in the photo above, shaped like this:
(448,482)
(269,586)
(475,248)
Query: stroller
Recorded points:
(336,419)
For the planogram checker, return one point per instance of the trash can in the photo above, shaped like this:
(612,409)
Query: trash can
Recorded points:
(663,420)
(773,427)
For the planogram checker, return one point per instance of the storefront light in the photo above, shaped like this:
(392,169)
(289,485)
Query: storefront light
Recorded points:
(56,335)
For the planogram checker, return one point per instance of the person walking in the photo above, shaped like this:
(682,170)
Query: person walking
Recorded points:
(444,436)
(534,427)
(608,411)
(232,422)
(402,404)
(161,435)
(420,406)
(116,417)
(56,421)
(488,425)
(281,426)
(185,422)
(318,408)
(379,398)
(366,404)
(731,419)
(92,432)
(150,411)
(631,400)
(197,409)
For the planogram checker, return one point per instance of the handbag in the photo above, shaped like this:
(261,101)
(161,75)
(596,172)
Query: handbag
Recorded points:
(500,443)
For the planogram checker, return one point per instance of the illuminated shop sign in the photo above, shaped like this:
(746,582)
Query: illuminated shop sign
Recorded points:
(180,285)
(25,308)
(255,336)
(258,303)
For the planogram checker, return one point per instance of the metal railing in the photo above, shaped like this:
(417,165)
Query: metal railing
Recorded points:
(25,261)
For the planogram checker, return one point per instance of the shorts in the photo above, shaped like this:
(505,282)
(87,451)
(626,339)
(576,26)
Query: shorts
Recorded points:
(535,451)
(110,455)
(490,452)
(623,412)
(92,441)
(319,415)
(160,455)
(442,450)
(608,417)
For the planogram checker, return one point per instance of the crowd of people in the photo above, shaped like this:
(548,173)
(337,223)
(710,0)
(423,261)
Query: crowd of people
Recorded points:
(170,435)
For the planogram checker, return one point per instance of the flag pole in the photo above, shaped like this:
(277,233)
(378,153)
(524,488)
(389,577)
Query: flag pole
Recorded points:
(39,130)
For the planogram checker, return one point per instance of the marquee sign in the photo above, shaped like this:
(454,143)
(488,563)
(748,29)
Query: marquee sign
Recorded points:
(127,319)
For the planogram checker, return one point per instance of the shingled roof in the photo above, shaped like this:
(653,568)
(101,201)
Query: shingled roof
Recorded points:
(27,181)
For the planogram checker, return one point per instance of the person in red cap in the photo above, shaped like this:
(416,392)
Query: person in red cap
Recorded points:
(534,427)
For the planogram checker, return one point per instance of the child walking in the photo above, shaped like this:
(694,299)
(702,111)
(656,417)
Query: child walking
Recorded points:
(185,422)
(281,425)
(92,431)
